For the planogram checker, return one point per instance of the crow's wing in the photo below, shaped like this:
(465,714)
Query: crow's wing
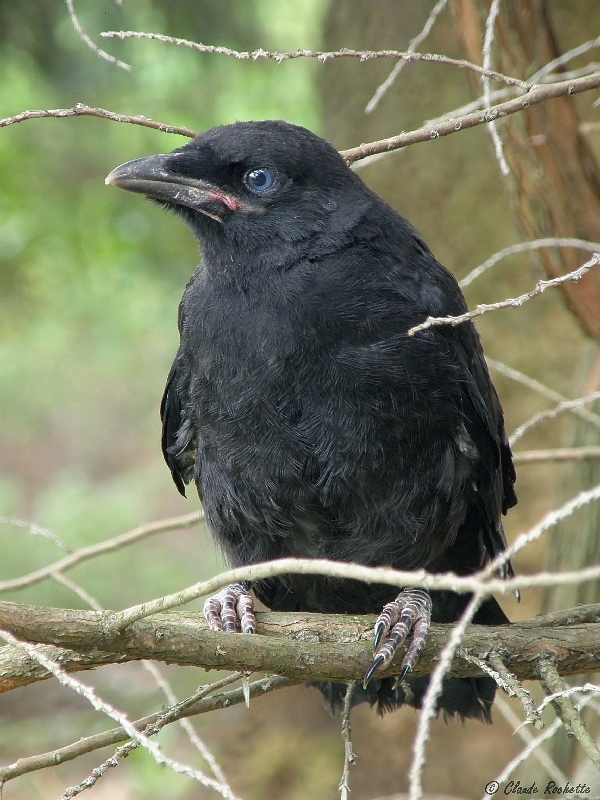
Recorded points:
(178,435)
(484,423)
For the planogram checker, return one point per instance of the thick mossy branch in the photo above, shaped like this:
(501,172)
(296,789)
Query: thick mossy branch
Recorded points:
(298,646)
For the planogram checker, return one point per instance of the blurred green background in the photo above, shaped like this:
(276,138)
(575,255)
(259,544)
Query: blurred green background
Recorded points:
(90,280)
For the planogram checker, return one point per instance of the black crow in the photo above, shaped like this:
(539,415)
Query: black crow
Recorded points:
(312,424)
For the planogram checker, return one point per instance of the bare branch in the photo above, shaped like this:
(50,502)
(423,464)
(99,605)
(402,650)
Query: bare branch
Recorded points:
(91,743)
(513,302)
(106,708)
(175,712)
(588,453)
(567,712)
(540,388)
(81,110)
(537,94)
(479,104)
(77,590)
(552,413)
(549,521)
(415,42)
(184,723)
(534,244)
(300,646)
(349,757)
(107,546)
(434,689)
(516,689)
(35,530)
(487,60)
(564,58)
(320,55)
(527,737)
(91,44)
(530,748)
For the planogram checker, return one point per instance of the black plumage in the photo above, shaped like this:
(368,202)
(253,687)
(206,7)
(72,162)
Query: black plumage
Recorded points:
(311,422)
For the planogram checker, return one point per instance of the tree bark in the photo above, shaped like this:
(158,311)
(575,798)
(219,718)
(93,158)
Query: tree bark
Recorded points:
(304,647)
(555,177)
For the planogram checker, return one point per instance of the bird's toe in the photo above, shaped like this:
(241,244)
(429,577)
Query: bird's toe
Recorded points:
(411,610)
(230,608)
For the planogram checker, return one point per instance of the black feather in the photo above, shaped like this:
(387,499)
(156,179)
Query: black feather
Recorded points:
(311,422)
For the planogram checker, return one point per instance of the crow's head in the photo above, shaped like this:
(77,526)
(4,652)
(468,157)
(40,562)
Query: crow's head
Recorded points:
(281,176)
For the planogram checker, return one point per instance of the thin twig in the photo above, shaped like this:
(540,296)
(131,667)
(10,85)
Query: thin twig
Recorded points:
(524,754)
(97,703)
(549,521)
(477,105)
(163,684)
(567,712)
(527,737)
(92,743)
(35,530)
(415,42)
(107,546)
(487,60)
(152,729)
(541,389)
(319,55)
(349,756)
(505,680)
(537,94)
(587,687)
(77,590)
(516,689)
(484,667)
(564,58)
(184,723)
(91,44)
(511,302)
(589,453)
(552,413)
(434,689)
(521,247)
(82,110)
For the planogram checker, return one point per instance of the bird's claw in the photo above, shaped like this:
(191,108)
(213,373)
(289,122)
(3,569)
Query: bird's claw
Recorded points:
(411,610)
(230,607)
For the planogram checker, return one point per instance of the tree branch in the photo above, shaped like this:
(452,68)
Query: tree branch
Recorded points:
(302,647)
(537,94)
(105,546)
(511,302)
(89,744)
(82,110)
(320,55)
(90,43)
(565,707)
(584,453)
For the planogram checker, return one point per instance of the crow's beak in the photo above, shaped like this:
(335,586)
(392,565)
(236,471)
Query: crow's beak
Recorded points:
(153,177)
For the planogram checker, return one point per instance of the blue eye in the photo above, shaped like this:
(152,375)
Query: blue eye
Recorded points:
(261,179)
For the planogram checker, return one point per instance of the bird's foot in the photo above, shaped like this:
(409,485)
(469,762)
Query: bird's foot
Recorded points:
(230,607)
(411,610)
